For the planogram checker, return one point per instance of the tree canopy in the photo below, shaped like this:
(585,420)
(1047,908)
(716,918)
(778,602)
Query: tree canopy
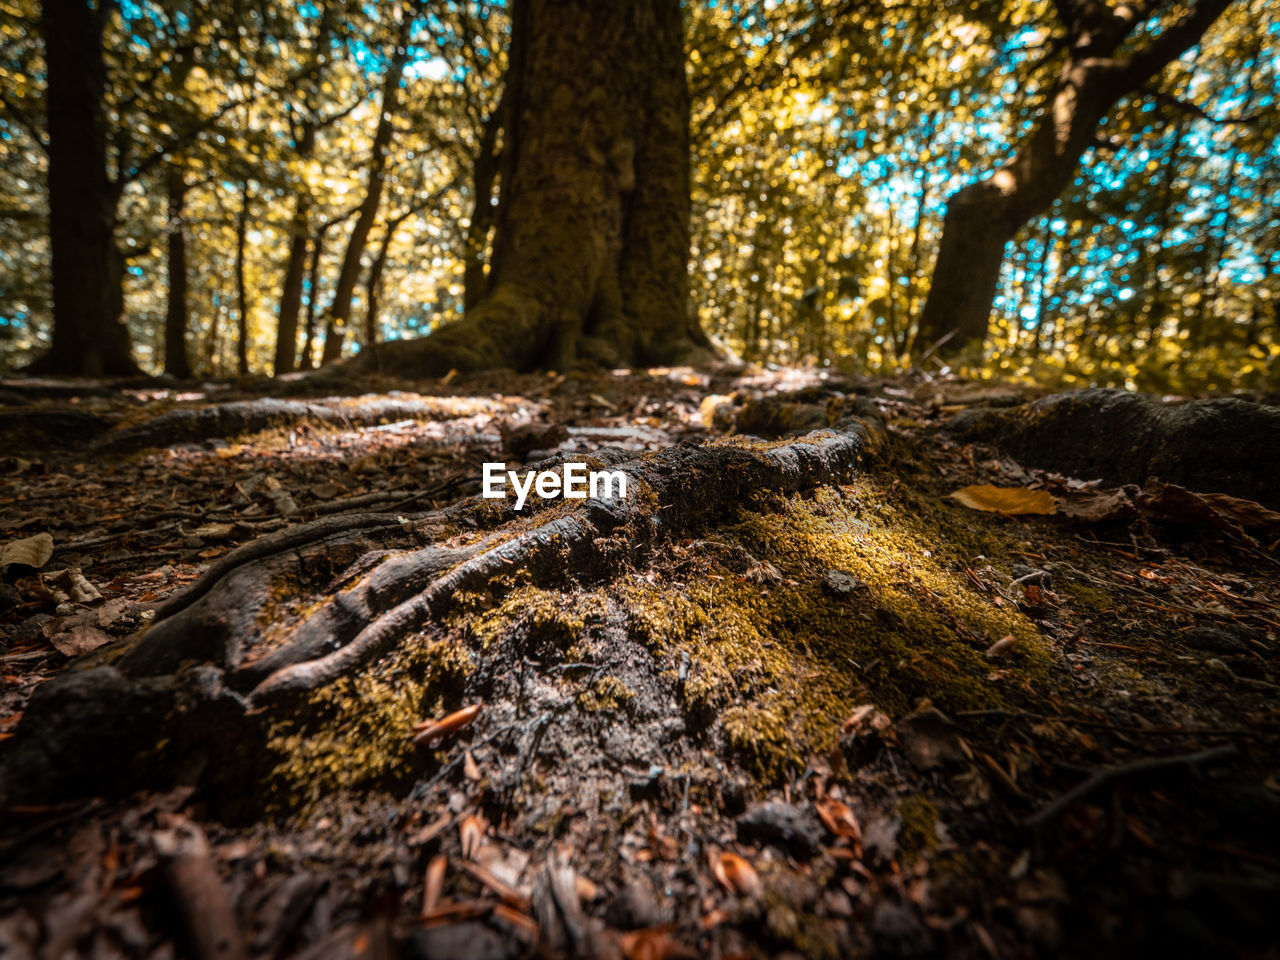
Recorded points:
(333,174)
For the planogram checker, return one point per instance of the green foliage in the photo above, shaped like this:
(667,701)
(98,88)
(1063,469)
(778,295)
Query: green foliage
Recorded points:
(826,137)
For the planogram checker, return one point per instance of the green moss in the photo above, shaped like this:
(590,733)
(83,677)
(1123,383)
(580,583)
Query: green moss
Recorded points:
(919,826)
(1087,599)
(606,694)
(548,617)
(782,664)
(356,732)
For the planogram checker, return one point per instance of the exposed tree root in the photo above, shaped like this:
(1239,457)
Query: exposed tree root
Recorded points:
(1222,445)
(230,646)
(38,427)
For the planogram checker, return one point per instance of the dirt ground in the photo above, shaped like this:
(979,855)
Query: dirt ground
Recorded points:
(860,718)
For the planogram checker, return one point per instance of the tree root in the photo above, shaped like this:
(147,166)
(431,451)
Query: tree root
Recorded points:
(227,639)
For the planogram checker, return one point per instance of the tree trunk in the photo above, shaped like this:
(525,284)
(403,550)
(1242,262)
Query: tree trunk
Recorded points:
(983,217)
(89,337)
(344,292)
(374,283)
(592,236)
(242,292)
(176,362)
(484,173)
(291,289)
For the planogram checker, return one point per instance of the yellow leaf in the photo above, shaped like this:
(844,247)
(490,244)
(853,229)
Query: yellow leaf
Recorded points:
(1011,501)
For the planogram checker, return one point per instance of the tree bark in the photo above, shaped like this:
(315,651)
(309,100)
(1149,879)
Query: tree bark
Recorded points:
(89,336)
(592,235)
(484,174)
(176,361)
(286,356)
(983,217)
(344,292)
(242,291)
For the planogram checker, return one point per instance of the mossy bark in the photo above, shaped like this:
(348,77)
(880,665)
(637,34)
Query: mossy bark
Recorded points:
(290,614)
(592,234)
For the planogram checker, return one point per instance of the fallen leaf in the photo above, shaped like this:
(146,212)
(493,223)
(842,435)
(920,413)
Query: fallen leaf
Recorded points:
(30,552)
(76,586)
(1011,501)
(430,730)
(77,635)
(839,819)
(1000,647)
(471,834)
(1096,507)
(470,769)
(654,943)
(433,882)
(1167,501)
(213,531)
(736,874)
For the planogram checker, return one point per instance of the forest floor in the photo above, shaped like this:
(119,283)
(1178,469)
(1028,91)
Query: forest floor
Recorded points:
(862,719)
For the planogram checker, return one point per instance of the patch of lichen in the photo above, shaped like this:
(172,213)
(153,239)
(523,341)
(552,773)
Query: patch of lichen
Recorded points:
(781,664)
(355,733)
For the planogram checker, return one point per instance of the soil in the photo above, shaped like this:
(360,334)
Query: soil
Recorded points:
(792,699)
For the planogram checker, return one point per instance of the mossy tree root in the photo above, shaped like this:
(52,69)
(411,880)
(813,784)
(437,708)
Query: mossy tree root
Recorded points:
(379,579)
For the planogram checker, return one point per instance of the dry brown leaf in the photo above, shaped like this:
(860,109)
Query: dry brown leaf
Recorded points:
(433,882)
(1000,647)
(1097,506)
(839,819)
(470,769)
(29,552)
(1011,501)
(430,730)
(471,834)
(654,943)
(77,635)
(213,531)
(736,874)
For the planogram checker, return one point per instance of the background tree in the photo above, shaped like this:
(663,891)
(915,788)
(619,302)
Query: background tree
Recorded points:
(1109,52)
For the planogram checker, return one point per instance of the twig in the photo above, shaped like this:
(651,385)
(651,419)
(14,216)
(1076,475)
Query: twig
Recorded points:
(1102,778)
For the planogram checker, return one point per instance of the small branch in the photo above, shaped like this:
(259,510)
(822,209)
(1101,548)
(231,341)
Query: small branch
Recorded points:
(1102,778)
(1195,110)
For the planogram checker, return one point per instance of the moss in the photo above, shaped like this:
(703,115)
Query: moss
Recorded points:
(1087,599)
(919,826)
(781,664)
(355,732)
(547,617)
(606,694)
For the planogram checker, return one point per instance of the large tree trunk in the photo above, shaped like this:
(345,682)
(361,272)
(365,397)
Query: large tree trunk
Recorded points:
(89,337)
(983,217)
(592,237)
(176,362)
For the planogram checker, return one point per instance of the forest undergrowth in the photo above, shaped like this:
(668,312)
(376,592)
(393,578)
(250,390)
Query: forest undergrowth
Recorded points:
(867,667)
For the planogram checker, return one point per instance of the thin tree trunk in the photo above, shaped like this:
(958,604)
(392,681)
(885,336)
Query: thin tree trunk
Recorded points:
(286,356)
(89,337)
(176,361)
(307,359)
(484,174)
(983,217)
(373,286)
(340,309)
(242,292)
